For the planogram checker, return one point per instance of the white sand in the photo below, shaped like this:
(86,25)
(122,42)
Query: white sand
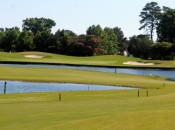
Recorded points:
(33,56)
(136,63)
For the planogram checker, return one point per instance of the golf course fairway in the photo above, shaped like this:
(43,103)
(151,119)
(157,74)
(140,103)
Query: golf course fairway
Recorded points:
(149,107)
(90,110)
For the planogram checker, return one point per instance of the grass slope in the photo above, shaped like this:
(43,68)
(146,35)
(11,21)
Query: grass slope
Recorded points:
(93,110)
(54,58)
(109,60)
(80,76)
(90,110)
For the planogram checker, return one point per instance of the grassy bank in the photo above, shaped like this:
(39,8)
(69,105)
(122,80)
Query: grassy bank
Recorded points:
(90,110)
(54,58)
(109,60)
(80,76)
(102,110)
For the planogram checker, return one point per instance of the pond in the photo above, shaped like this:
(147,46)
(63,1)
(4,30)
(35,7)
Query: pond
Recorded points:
(169,73)
(22,87)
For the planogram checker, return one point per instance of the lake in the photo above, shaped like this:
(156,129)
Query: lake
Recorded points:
(169,73)
(22,87)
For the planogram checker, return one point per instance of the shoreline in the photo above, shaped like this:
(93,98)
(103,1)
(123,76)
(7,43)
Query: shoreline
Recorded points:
(105,66)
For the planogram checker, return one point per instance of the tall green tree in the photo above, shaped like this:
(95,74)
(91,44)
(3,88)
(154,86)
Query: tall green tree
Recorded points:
(121,39)
(139,46)
(162,51)
(10,39)
(109,41)
(149,18)
(166,26)
(108,38)
(38,24)
(1,38)
(25,41)
(95,30)
(43,40)
(62,38)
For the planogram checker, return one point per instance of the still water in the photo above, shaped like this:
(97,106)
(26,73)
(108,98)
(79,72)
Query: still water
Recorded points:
(170,74)
(22,87)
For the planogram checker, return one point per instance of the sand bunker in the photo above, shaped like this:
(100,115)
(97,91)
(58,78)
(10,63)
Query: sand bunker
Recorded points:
(34,56)
(137,63)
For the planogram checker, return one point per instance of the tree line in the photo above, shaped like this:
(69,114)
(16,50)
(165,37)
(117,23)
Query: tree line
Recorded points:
(153,17)
(162,20)
(36,35)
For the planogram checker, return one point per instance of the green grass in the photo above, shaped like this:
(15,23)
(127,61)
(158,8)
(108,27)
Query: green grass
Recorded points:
(80,76)
(91,110)
(108,60)
(54,58)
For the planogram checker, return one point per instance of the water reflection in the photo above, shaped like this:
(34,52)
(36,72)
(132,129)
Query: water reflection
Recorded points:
(21,87)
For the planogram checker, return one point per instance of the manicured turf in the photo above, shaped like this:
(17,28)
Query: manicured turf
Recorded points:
(90,110)
(53,58)
(109,60)
(80,76)
(97,110)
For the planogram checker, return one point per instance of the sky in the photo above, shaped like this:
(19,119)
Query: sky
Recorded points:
(78,15)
